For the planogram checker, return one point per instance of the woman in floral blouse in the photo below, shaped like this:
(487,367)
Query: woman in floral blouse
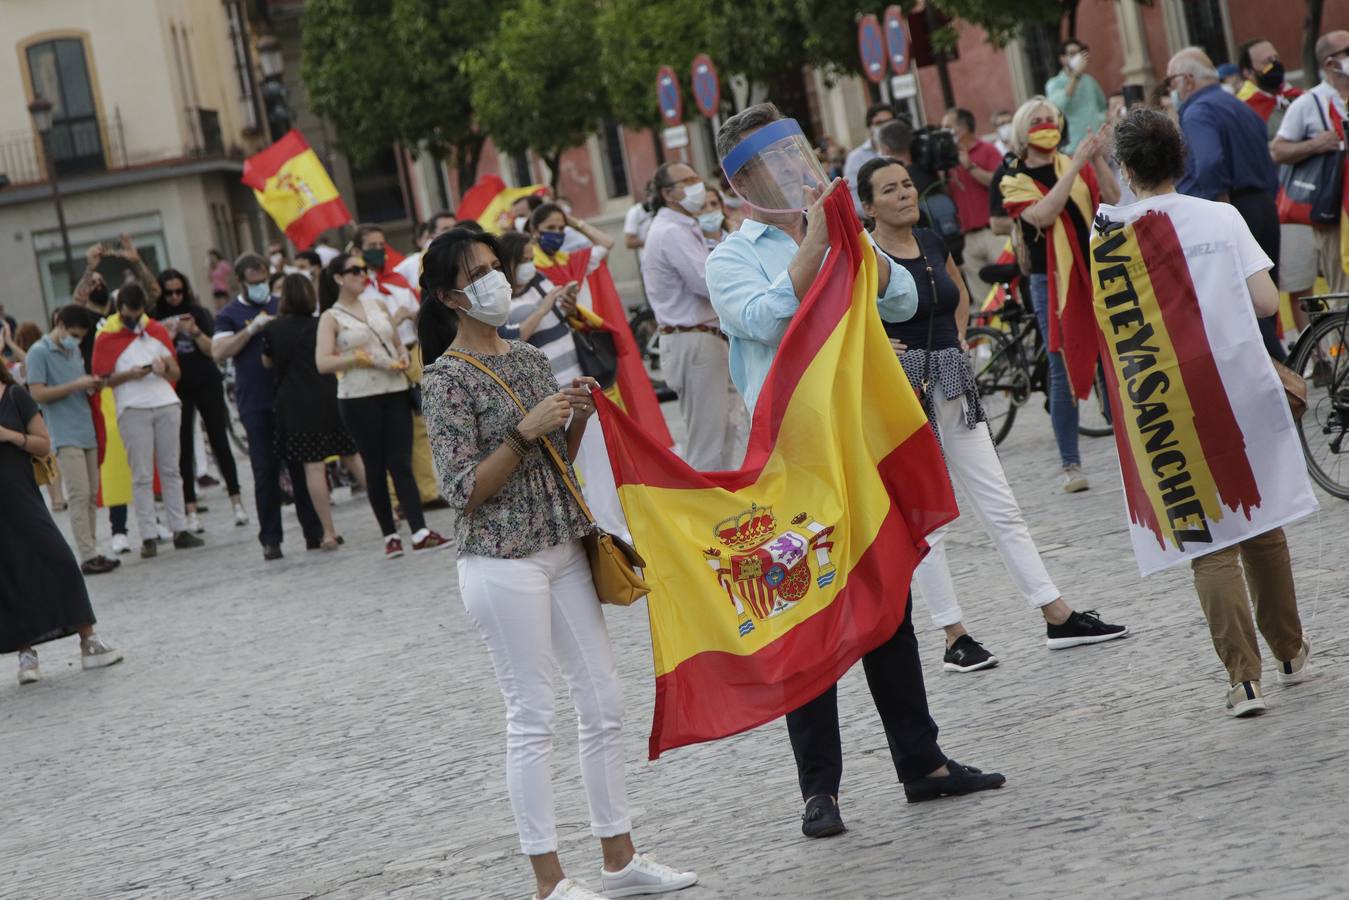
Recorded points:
(523,572)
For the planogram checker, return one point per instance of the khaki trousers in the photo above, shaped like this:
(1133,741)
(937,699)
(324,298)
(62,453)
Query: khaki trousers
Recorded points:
(982,248)
(1222,593)
(79,471)
(1328,258)
(423,469)
(696,365)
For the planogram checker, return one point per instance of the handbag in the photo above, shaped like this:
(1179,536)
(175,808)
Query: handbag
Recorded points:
(596,354)
(1310,191)
(44,469)
(1294,388)
(414,388)
(613,561)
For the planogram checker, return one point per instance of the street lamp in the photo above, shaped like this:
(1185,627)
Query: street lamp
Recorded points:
(41,111)
(273,65)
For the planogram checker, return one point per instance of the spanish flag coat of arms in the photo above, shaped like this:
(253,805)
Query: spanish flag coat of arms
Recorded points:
(771,581)
(293,187)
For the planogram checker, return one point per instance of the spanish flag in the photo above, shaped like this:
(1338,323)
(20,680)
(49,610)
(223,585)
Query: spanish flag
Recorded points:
(1071,330)
(1203,429)
(295,190)
(770,582)
(489,200)
(1265,103)
(633,392)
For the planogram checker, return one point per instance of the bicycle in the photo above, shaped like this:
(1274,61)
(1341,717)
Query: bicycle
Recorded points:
(1321,356)
(1011,363)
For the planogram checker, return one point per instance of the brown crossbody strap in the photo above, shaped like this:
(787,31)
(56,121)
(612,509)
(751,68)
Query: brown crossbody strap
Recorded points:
(556,457)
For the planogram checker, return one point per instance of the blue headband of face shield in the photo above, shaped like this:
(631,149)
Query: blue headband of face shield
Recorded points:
(753,145)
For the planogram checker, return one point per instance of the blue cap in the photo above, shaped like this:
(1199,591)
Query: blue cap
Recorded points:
(1227,70)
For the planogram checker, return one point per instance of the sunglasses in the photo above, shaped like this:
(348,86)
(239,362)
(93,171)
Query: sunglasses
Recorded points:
(176,292)
(354,270)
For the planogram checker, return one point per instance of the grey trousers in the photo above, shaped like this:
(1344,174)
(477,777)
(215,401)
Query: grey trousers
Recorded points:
(697,365)
(152,441)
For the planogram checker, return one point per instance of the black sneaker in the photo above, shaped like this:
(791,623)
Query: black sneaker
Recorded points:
(822,818)
(1080,628)
(961,780)
(149,549)
(967,655)
(186,540)
(271,552)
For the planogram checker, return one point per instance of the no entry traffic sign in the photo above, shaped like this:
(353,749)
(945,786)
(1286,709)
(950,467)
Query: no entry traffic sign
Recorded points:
(706,85)
(871,47)
(896,40)
(668,96)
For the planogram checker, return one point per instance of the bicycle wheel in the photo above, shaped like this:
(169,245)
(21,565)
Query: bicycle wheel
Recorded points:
(1002,382)
(1093,414)
(645,333)
(1323,359)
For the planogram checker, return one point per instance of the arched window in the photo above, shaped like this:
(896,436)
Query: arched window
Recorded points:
(60,75)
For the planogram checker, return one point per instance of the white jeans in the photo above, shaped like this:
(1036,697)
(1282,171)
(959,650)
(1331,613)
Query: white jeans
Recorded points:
(536,614)
(152,441)
(976,471)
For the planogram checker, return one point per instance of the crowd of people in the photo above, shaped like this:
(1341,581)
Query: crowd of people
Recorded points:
(453,378)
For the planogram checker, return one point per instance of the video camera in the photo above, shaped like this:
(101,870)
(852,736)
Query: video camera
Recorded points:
(935,148)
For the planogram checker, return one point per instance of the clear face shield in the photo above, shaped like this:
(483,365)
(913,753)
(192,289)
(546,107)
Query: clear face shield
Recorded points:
(772,168)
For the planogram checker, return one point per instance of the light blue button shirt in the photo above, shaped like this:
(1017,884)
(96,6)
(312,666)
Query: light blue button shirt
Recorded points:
(753,295)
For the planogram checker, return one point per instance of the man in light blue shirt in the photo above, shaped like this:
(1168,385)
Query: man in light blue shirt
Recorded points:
(757,278)
(1077,95)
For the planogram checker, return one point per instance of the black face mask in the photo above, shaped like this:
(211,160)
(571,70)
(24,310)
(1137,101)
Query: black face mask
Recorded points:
(99,297)
(132,320)
(1271,79)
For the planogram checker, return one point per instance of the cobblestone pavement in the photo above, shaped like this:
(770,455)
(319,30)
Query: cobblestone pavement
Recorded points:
(328,726)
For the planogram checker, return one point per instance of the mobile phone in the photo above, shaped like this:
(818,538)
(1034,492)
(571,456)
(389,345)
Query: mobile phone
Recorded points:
(184,317)
(146,368)
(1133,95)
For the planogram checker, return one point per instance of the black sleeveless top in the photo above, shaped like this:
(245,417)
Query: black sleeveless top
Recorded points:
(914,331)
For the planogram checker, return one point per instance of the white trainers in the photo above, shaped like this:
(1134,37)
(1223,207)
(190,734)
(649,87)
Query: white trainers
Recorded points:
(120,544)
(644,876)
(162,533)
(28,670)
(194,524)
(95,653)
(570,890)
(1074,482)
(1295,670)
(240,516)
(1245,700)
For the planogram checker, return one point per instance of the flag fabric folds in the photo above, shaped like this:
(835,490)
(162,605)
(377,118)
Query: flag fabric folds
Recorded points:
(113,337)
(770,582)
(295,190)
(489,199)
(1208,450)
(1071,330)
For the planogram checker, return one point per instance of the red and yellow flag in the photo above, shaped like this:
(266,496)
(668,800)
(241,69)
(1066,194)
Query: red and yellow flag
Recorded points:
(295,190)
(490,200)
(770,582)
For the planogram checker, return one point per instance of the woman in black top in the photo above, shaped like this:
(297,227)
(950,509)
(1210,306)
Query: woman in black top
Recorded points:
(42,593)
(308,425)
(201,389)
(931,349)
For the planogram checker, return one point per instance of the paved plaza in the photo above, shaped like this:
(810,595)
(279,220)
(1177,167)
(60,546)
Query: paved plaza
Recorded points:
(328,726)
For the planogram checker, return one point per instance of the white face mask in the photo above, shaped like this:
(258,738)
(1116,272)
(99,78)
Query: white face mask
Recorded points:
(520,223)
(1175,98)
(1076,62)
(1344,66)
(1228,88)
(710,222)
(1005,132)
(489,299)
(524,273)
(694,196)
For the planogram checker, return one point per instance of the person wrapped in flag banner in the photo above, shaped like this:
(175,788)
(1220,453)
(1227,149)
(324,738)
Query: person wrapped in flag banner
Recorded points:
(768,583)
(293,187)
(1202,427)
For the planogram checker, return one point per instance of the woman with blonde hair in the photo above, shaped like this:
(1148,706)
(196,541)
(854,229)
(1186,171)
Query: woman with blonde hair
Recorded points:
(1051,199)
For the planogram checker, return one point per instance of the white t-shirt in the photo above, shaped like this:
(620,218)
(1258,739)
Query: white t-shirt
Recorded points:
(637,222)
(1304,121)
(153,390)
(397,298)
(411,269)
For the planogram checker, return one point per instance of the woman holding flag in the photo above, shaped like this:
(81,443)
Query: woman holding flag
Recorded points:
(1052,198)
(523,575)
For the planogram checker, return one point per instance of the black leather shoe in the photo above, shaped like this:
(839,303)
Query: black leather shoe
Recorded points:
(962,780)
(271,552)
(822,818)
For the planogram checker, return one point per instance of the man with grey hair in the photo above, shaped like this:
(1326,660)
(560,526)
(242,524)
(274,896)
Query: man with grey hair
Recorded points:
(757,278)
(238,336)
(1307,130)
(1227,158)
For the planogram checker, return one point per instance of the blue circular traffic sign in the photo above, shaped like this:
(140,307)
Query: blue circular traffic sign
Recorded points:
(668,96)
(896,40)
(871,47)
(706,85)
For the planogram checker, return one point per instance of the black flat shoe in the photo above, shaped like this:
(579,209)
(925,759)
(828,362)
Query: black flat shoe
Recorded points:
(962,780)
(822,818)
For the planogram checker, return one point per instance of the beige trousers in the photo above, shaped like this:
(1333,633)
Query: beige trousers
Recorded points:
(982,248)
(79,471)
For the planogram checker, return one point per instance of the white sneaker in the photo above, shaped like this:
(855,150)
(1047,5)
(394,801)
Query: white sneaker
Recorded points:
(1074,482)
(28,670)
(194,524)
(120,544)
(162,533)
(1245,699)
(95,653)
(570,890)
(1295,670)
(644,876)
(240,516)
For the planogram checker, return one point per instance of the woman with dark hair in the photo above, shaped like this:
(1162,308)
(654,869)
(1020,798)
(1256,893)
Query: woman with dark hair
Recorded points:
(557,231)
(523,574)
(535,306)
(42,594)
(951,401)
(1151,154)
(201,389)
(357,342)
(712,220)
(308,424)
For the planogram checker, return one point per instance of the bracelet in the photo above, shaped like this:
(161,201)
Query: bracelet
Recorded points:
(516,441)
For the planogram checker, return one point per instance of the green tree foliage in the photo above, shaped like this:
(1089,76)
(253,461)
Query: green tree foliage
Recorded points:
(536,83)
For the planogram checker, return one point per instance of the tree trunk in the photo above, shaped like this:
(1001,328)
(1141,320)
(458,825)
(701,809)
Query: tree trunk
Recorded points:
(1070,17)
(1311,30)
(554,163)
(467,156)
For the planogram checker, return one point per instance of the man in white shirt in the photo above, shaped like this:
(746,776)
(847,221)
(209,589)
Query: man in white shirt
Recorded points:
(693,352)
(637,222)
(1307,131)
(877,115)
(411,266)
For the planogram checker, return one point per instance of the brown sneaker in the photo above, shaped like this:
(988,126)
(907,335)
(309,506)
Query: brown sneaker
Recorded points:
(98,565)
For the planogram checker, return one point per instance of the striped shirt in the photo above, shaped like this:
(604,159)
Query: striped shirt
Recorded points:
(553,336)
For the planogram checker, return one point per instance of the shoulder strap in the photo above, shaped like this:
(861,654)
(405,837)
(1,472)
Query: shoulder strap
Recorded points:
(558,462)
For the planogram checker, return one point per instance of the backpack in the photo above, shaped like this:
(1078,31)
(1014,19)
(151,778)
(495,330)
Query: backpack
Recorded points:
(940,214)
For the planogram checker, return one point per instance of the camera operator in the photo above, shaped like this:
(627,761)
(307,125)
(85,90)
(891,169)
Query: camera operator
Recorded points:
(969,183)
(924,153)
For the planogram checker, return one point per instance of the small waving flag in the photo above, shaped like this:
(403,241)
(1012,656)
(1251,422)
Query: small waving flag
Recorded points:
(489,199)
(295,190)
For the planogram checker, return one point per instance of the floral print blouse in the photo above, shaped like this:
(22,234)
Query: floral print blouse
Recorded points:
(467,416)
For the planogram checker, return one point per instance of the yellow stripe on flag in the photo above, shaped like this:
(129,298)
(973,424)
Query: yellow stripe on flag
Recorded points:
(297,187)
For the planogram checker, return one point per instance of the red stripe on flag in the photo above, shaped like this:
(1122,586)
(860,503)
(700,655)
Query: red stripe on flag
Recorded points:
(634,385)
(266,163)
(1141,511)
(753,690)
(1216,425)
(477,198)
(318,219)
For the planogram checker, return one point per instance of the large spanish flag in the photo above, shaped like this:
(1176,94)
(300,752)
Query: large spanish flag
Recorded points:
(768,583)
(1207,447)
(295,190)
(490,200)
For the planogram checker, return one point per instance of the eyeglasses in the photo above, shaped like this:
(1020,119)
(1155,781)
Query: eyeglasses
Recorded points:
(354,270)
(1166,82)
